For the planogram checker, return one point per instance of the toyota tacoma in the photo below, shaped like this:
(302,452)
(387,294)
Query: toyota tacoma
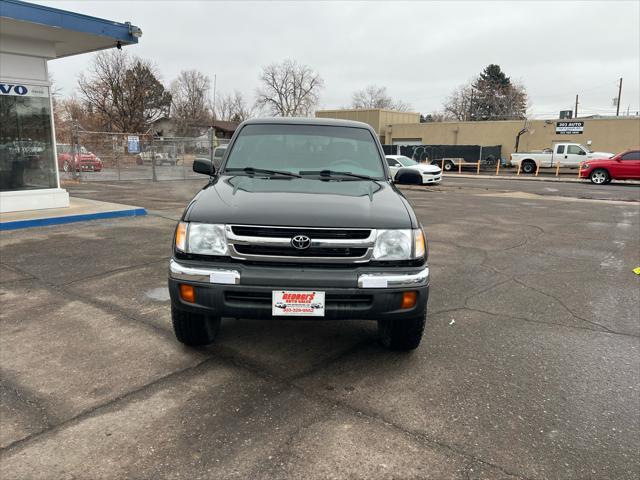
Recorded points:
(302,220)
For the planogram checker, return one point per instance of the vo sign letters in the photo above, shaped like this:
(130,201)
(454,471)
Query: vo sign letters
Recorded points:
(8,89)
(19,90)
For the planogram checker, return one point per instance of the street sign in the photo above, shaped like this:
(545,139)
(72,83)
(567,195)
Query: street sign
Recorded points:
(133,144)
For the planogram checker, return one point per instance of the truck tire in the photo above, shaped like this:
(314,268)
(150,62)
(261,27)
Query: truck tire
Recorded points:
(448,165)
(402,335)
(528,166)
(599,176)
(193,329)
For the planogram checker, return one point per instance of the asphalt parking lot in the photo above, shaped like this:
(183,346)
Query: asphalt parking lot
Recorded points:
(530,365)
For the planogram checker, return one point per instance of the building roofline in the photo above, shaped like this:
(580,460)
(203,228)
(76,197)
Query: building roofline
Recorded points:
(56,18)
(389,110)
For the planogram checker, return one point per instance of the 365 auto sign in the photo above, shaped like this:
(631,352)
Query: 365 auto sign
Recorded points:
(22,90)
(569,128)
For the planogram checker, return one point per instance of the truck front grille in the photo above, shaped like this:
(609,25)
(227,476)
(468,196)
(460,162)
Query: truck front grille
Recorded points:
(319,252)
(273,244)
(289,232)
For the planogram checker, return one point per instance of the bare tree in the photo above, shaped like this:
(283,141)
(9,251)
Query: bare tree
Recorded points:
(233,107)
(123,92)
(374,96)
(288,89)
(458,104)
(190,94)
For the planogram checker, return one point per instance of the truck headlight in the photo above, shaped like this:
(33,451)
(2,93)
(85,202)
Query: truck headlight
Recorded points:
(399,245)
(201,238)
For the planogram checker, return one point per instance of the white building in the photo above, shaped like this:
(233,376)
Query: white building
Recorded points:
(30,36)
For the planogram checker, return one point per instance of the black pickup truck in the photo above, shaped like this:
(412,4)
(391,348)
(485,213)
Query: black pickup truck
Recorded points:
(301,221)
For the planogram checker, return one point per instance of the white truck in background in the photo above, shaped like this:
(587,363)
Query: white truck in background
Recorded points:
(565,154)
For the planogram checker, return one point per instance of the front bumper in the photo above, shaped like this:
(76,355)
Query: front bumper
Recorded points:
(431,177)
(586,172)
(245,291)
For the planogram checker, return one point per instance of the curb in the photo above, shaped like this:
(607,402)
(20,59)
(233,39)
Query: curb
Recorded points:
(43,222)
(530,178)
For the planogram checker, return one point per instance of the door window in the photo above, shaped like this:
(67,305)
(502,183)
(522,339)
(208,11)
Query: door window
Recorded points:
(631,155)
(575,150)
(392,162)
(560,148)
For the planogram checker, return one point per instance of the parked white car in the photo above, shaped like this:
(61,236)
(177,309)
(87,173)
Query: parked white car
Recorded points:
(430,173)
(565,154)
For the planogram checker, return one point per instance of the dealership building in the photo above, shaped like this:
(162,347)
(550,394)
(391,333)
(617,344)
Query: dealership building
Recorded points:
(608,134)
(30,36)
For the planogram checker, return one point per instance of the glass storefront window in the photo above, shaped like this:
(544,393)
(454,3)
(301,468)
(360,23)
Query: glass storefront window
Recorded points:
(26,140)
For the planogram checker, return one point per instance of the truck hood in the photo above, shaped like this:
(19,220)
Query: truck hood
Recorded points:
(299,202)
(599,155)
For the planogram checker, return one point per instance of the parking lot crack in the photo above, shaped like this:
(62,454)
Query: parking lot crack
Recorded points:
(569,310)
(113,403)
(416,435)
(14,393)
(116,270)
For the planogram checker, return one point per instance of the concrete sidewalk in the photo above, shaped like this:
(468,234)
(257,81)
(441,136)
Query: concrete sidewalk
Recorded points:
(80,209)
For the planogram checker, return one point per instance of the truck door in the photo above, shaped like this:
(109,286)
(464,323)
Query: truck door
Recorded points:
(574,155)
(559,155)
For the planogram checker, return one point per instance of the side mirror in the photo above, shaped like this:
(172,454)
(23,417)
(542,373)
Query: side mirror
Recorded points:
(204,166)
(408,176)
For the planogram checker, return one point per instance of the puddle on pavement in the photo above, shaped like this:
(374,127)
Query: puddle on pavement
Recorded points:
(158,294)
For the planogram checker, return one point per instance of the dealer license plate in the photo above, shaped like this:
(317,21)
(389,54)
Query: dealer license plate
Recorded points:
(297,303)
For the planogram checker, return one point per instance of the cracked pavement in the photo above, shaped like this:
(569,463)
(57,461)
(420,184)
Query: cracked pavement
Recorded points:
(529,369)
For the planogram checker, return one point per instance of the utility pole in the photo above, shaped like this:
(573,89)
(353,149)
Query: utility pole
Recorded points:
(619,94)
(575,112)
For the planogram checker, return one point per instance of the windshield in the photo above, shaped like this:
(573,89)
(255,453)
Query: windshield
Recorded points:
(306,148)
(586,149)
(407,162)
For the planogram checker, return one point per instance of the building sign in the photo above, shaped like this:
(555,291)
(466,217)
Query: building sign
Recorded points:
(22,90)
(133,144)
(569,128)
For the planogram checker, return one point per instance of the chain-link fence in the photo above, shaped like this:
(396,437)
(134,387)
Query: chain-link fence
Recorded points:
(108,156)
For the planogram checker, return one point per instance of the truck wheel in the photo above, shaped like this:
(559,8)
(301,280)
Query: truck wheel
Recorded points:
(528,166)
(448,166)
(599,176)
(403,334)
(193,329)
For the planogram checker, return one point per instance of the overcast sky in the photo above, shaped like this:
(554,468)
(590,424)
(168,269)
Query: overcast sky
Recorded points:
(420,51)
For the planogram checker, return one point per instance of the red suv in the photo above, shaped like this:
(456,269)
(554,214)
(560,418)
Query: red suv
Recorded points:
(85,161)
(624,166)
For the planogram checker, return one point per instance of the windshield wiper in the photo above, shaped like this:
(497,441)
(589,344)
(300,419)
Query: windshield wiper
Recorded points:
(332,173)
(262,170)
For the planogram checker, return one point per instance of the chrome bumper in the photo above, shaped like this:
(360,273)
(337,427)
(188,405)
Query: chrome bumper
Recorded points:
(396,280)
(177,271)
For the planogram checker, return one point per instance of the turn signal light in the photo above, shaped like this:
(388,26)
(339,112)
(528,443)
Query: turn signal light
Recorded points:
(409,299)
(187,293)
(419,248)
(181,236)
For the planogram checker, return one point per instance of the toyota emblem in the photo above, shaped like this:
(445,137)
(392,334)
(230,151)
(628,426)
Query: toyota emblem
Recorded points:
(300,242)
